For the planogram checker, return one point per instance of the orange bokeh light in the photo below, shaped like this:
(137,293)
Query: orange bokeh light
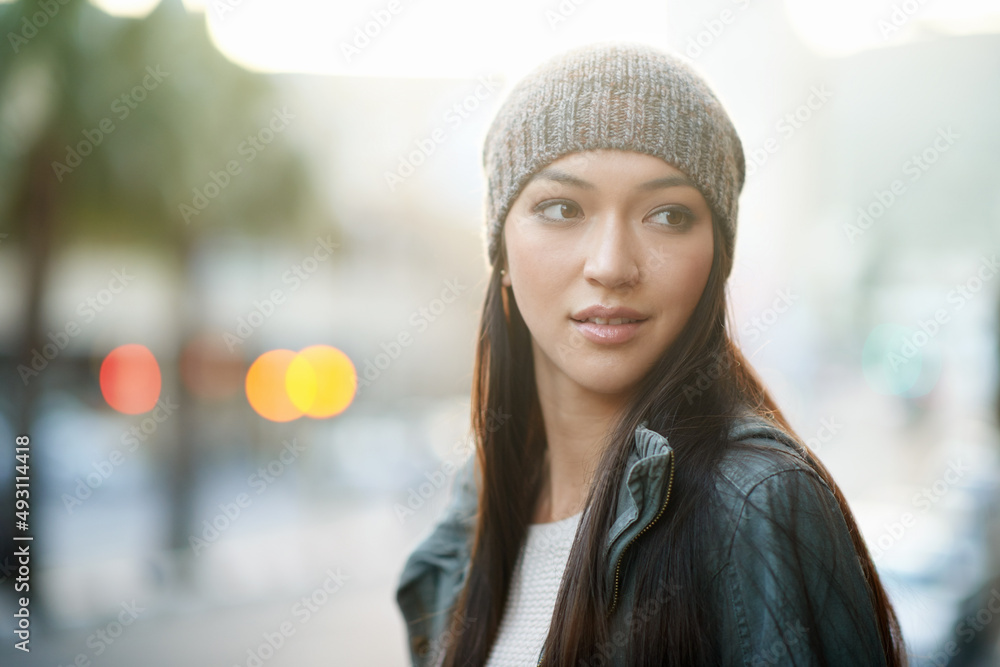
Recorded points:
(319,381)
(130,379)
(266,386)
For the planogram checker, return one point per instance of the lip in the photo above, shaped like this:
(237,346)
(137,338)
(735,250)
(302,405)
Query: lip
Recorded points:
(608,313)
(608,333)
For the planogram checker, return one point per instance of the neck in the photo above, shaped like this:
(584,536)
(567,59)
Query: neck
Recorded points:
(576,422)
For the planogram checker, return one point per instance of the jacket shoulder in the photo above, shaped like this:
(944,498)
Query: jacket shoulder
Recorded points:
(759,449)
(782,563)
(764,475)
(435,570)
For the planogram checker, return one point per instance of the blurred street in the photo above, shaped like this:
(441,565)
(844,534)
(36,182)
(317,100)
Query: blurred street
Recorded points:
(242,270)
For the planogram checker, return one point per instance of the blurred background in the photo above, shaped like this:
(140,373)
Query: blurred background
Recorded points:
(198,196)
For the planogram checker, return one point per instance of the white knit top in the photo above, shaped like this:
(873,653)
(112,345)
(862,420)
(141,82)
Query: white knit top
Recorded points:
(537,575)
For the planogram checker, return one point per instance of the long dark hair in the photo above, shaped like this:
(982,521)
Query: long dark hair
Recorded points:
(510,458)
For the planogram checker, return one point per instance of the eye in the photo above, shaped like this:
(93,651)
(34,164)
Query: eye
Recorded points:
(674,216)
(558,210)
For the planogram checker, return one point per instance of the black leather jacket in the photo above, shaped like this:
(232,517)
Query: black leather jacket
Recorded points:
(812,589)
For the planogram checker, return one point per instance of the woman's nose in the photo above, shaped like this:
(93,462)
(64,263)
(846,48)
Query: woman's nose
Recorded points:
(612,252)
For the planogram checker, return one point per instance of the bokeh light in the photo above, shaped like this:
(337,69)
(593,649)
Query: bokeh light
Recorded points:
(321,381)
(265,386)
(130,379)
(900,360)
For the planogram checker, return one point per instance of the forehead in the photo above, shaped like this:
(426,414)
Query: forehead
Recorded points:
(590,169)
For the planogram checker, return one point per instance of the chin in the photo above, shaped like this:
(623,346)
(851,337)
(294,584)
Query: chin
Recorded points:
(604,381)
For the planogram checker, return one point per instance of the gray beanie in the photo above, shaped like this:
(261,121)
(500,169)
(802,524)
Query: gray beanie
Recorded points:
(622,95)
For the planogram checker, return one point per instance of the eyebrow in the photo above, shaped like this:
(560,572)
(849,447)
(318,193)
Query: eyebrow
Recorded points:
(559,176)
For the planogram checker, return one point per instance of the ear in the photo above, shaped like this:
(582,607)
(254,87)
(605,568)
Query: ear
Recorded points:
(504,267)
(505,280)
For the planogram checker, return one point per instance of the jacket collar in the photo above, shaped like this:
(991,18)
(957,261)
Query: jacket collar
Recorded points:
(643,486)
(642,495)
(644,491)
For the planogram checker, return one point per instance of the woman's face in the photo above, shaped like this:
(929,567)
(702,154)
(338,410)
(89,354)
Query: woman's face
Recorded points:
(598,236)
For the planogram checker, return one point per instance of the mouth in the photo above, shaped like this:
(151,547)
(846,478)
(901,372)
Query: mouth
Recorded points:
(611,315)
(608,330)
(612,321)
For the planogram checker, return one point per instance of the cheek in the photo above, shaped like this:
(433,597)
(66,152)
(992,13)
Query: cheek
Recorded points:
(681,278)
(539,272)
(538,294)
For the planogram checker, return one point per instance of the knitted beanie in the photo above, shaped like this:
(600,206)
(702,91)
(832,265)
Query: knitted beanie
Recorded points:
(621,95)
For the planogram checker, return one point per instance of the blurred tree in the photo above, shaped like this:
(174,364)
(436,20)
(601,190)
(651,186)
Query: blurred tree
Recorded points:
(110,131)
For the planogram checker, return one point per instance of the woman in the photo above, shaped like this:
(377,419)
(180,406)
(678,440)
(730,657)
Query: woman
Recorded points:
(694,528)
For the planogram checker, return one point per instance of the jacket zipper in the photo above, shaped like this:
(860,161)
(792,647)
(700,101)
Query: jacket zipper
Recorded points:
(670,484)
(614,604)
